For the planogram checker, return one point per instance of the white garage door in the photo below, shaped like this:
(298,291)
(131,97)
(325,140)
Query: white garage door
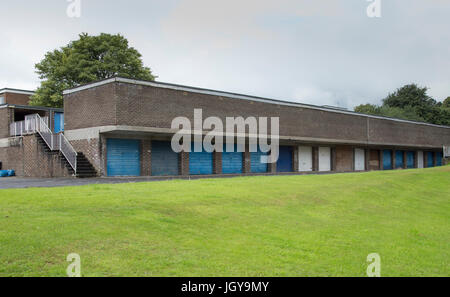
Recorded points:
(305,158)
(419,159)
(324,159)
(360,160)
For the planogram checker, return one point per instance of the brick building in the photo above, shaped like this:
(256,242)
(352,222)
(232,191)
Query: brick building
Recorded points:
(122,127)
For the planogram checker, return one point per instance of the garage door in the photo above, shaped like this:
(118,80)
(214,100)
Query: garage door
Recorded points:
(410,159)
(164,159)
(284,163)
(123,157)
(305,159)
(430,160)
(420,159)
(387,160)
(360,160)
(399,159)
(324,159)
(232,162)
(200,163)
(256,165)
(439,157)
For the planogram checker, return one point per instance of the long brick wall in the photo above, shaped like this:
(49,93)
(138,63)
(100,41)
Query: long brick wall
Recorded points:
(126,104)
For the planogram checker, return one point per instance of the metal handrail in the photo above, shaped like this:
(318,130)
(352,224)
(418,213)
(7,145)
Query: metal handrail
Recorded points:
(68,151)
(35,124)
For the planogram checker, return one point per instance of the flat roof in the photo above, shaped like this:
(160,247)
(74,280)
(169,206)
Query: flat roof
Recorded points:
(16,91)
(31,107)
(234,96)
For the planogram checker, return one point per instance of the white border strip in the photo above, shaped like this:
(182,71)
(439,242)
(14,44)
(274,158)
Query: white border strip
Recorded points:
(235,96)
(14,91)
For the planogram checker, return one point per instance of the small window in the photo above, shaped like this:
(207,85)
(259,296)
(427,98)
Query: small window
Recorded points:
(2,100)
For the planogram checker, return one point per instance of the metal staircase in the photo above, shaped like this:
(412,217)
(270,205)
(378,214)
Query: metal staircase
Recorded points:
(77,163)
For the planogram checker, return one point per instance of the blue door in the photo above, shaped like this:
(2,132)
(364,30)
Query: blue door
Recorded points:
(439,157)
(430,161)
(255,162)
(398,159)
(387,160)
(164,159)
(200,163)
(284,163)
(123,157)
(232,162)
(410,159)
(58,122)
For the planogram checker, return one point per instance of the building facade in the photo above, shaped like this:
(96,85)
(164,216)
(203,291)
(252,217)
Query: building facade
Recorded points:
(123,127)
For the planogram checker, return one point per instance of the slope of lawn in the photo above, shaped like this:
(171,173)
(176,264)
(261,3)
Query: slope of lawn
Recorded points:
(250,226)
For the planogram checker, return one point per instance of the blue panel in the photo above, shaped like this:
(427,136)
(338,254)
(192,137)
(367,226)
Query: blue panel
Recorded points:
(256,165)
(58,122)
(410,159)
(439,157)
(164,159)
(123,157)
(387,160)
(284,163)
(200,163)
(398,159)
(232,162)
(430,161)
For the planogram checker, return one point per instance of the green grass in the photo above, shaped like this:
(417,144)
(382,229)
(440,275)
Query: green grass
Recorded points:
(250,226)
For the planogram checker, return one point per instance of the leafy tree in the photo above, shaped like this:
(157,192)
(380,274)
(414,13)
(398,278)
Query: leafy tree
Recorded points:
(88,59)
(446,103)
(411,102)
(368,109)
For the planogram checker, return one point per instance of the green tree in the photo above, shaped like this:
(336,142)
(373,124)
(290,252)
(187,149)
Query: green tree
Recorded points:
(411,102)
(446,103)
(368,109)
(88,59)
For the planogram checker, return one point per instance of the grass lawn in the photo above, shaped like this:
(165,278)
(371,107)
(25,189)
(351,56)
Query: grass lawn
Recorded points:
(249,226)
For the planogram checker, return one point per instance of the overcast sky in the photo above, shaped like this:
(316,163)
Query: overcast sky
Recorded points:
(312,51)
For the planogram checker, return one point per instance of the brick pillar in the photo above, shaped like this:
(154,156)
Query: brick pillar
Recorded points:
(381,160)
(394,165)
(295,159)
(405,160)
(315,155)
(367,160)
(217,159)
(146,157)
(333,159)
(273,167)
(434,159)
(425,159)
(247,160)
(184,164)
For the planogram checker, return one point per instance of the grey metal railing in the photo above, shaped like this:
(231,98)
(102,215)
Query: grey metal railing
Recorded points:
(56,142)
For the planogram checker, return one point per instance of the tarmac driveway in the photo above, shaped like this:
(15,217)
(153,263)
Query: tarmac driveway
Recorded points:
(21,183)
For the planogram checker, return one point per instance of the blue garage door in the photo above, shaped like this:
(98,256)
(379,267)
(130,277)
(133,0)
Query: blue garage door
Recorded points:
(387,159)
(200,163)
(284,163)
(164,159)
(398,159)
(123,157)
(232,162)
(430,161)
(58,122)
(410,159)
(439,157)
(255,162)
